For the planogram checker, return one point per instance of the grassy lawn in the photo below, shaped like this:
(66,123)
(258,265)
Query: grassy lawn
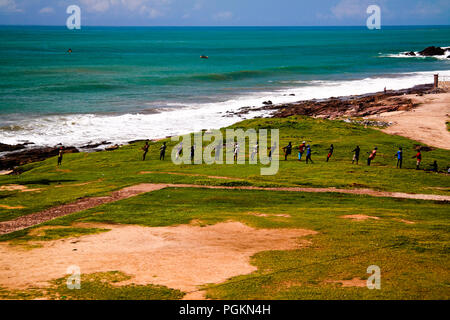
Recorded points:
(96,286)
(413,258)
(107,171)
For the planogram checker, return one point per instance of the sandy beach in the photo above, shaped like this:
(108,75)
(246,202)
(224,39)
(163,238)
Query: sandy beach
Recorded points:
(425,123)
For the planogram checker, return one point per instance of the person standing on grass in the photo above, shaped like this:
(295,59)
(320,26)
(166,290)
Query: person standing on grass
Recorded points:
(372,156)
(192,152)
(218,151)
(287,150)
(145,149)
(356,152)
(301,150)
(330,152)
(434,166)
(272,150)
(418,156)
(255,151)
(162,151)
(399,157)
(308,154)
(60,156)
(236,151)
(179,150)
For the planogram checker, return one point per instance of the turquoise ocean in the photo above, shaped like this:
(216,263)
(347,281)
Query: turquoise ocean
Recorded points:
(126,83)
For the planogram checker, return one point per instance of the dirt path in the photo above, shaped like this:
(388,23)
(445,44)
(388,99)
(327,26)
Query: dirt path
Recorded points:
(426,123)
(182,257)
(87,203)
(80,205)
(191,175)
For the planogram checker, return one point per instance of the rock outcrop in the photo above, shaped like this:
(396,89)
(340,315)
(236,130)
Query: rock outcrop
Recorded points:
(432,51)
(13,159)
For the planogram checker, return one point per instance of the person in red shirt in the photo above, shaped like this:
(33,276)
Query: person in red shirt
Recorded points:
(372,156)
(418,156)
(301,150)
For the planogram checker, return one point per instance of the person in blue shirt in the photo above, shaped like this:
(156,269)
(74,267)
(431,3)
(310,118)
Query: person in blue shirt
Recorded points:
(399,157)
(308,154)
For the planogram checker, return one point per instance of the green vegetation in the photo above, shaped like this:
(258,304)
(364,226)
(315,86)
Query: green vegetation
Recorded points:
(97,286)
(35,234)
(413,258)
(104,172)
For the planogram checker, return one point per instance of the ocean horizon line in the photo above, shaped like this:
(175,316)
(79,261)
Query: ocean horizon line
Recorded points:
(226,26)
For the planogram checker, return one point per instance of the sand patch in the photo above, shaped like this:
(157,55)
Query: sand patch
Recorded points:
(404,221)
(257,214)
(180,257)
(430,116)
(17,187)
(5,172)
(4,206)
(355,282)
(358,217)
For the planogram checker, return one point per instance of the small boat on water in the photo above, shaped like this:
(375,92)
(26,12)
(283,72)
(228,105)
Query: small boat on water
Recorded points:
(204,57)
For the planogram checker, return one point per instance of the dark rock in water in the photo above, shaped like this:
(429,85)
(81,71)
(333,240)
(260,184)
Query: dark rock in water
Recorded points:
(8,147)
(266,103)
(95,145)
(448,57)
(411,54)
(432,51)
(13,159)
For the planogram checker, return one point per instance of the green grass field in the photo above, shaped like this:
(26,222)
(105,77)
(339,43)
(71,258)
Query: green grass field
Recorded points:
(413,258)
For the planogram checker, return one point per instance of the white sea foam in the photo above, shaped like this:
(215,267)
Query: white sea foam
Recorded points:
(80,129)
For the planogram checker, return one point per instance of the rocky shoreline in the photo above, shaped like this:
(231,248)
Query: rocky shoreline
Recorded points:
(358,106)
(21,154)
(429,52)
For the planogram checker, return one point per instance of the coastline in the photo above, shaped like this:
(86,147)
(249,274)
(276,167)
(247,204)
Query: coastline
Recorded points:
(378,106)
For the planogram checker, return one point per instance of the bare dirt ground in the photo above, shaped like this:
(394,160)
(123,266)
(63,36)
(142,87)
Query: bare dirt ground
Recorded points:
(355,282)
(4,206)
(404,221)
(15,187)
(87,203)
(359,217)
(265,215)
(80,205)
(181,257)
(425,123)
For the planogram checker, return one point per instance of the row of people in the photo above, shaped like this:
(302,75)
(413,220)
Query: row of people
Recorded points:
(302,148)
